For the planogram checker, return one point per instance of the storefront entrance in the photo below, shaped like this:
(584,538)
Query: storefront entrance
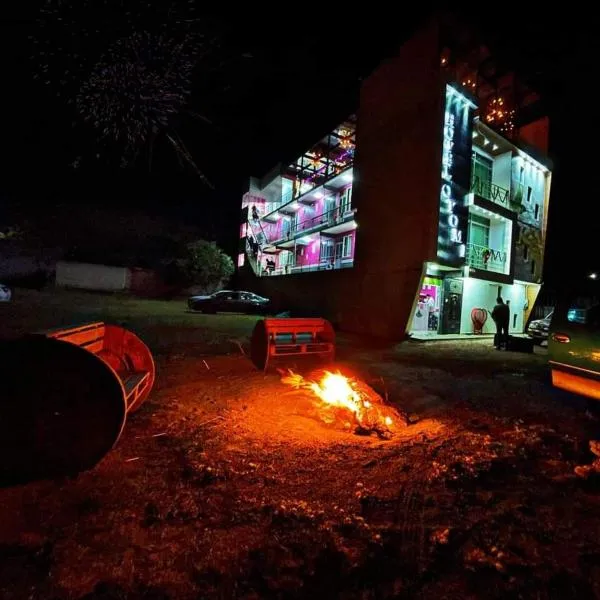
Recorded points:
(427,313)
(452,305)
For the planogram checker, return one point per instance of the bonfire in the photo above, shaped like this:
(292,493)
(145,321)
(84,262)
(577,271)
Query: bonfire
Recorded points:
(348,402)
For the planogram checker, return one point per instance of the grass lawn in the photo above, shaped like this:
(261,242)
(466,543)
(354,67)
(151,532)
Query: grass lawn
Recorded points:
(228,484)
(166,326)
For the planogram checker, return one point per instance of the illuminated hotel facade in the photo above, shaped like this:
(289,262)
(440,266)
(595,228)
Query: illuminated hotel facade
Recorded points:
(422,208)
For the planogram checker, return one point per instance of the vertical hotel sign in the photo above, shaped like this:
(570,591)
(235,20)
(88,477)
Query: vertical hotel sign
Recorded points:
(455,178)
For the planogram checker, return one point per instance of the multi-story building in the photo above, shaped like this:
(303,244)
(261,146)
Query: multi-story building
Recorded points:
(301,219)
(424,207)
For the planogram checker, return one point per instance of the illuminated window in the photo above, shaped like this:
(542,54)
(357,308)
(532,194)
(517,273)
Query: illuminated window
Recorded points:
(482,175)
(347,246)
(479,231)
(326,250)
(241,259)
(346,200)
(287,259)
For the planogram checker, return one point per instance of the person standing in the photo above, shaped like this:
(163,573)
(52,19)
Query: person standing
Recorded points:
(501,316)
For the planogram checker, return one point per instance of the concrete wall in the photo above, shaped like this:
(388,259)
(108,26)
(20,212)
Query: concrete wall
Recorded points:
(532,219)
(536,134)
(91,277)
(482,294)
(396,194)
(397,190)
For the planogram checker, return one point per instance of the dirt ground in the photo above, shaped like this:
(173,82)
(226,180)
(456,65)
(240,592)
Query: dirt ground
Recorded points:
(226,485)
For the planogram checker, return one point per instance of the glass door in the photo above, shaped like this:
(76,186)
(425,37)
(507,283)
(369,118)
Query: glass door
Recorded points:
(326,257)
(330,208)
(346,201)
(479,231)
(481,178)
(337,256)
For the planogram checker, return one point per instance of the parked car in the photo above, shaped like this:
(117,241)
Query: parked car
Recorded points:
(229,301)
(574,346)
(5,293)
(538,329)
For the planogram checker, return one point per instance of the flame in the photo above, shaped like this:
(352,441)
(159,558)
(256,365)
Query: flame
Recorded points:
(335,389)
(338,392)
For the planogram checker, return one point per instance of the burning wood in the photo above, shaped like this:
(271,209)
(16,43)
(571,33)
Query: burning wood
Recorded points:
(346,401)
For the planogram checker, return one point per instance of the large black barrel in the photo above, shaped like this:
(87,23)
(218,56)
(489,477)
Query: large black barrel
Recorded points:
(61,409)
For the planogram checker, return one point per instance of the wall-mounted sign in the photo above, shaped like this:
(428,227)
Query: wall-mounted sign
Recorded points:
(455,177)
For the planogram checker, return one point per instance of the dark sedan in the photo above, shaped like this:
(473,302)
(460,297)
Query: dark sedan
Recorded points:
(229,301)
(538,329)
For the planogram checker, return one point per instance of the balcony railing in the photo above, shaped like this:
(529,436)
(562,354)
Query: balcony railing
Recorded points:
(486,259)
(322,265)
(252,257)
(289,197)
(330,218)
(258,232)
(490,191)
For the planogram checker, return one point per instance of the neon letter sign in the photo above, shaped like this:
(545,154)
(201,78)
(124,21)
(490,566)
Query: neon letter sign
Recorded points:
(455,175)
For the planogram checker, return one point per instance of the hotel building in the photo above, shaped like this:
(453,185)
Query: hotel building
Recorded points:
(415,213)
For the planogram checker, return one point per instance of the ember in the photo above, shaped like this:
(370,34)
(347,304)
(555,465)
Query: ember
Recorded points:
(341,400)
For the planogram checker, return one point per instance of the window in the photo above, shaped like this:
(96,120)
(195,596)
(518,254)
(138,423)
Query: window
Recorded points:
(525,252)
(479,231)
(585,310)
(537,211)
(346,200)
(533,267)
(518,232)
(347,246)
(529,190)
(326,250)
(225,295)
(241,260)
(576,315)
(286,259)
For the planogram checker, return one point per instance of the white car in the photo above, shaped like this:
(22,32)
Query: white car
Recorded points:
(5,293)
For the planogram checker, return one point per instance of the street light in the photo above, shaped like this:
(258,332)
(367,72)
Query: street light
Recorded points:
(593,275)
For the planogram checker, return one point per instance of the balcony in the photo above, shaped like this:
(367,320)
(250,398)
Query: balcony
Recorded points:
(487,259)
(308,195)
(490,191)
(322,265)
(336,220)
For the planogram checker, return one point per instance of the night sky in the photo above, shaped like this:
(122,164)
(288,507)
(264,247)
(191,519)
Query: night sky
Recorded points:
(270,88)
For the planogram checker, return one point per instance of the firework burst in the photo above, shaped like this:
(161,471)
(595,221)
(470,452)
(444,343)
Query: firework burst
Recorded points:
(137,88)
(130,78)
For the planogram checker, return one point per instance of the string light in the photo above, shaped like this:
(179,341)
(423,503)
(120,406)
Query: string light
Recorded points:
(470,83)
(315,160)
